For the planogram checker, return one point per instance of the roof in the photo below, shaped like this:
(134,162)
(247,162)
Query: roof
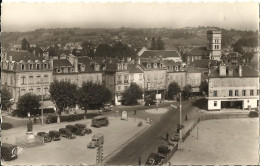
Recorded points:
(132,68)
(255,58)
(198,51)
(17,56)
(247,71)
(57,63)
(160,54)
(87,62)
(111,67)
(170,63)
(203,63)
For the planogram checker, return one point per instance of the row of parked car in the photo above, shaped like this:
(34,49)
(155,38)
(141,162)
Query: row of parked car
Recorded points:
(70,132)
(160,156)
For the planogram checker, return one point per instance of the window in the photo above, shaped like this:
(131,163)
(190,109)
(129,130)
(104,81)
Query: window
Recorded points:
(38,90)
(45,91)
(230,93)
(22,92)
(125,79)
(22,67)
(251,92)
(30,79)
(119,79)
(38,66)
(45,66)
(58,70)
(119,88)
(236,92)
(45,78)
(131,77)
(215,94)
(30,90)
(257,92)
(23,80)
(215,103)
(31,66)
(125,87)
(243,92)
(11,80)
(38,79)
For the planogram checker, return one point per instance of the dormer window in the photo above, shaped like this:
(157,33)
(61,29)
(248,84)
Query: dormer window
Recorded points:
(58,70)
(38,66)
(148,66)
(45,66)
(82,68)
(72,70)
(155,65)
(22,67)
(161,65)
(30,66)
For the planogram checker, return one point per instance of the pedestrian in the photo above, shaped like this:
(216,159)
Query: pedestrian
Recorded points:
(170,163)
(135,112)
(186,118)
(167,136)
(139,161)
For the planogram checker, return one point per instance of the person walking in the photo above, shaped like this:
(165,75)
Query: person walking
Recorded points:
(139,161)
(135,112)
(167,136)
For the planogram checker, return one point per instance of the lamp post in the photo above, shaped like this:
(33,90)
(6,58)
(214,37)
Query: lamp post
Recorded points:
(42,104)
(180,119)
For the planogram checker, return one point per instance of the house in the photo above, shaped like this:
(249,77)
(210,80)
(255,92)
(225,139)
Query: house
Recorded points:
(233,86)
(197,53)
(24,72)
(162,54)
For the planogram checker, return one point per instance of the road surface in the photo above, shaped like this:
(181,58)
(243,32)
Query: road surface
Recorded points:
(149,141)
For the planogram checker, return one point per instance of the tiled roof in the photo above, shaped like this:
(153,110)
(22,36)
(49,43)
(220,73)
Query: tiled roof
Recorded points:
(17,56)
(160,54)
(247,71)
(111,67)
(170,63)
(57,63)
(132,68)
(194,70)
(88,63)
(198,51)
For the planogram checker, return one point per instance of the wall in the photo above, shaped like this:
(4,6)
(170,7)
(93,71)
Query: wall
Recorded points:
(139,80)
(179,77)
(153,77)
(194,79)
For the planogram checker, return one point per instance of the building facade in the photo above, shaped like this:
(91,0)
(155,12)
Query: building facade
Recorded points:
(233,87)
(214,44)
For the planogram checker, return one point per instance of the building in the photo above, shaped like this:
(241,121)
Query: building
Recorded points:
(197,53)
(214,44)
(233,58)
(77,70)
(117,80)
(23,72)
(154,76)
(161,54)
(136,75)
(233,87)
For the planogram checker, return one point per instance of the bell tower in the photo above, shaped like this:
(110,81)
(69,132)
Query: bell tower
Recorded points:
(214,44)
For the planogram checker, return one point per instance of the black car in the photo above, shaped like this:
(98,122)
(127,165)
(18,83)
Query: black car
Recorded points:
(45,136)
(83,126)
(155,159)
(66,133)
(165,150)
(55,135)
(76,130)
(9,152)
(150,102)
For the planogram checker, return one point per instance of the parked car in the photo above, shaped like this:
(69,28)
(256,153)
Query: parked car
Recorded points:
(175,137)
(155,159)
(66,133)
(9,152)
(165,150)
(45,136)
(55,135)
(51,119)
(83,126)
(150,102)
(99,121)
(106,108)
(97,139)
(76,130)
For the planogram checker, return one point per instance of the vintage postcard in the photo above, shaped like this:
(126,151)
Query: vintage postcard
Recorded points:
(129,83)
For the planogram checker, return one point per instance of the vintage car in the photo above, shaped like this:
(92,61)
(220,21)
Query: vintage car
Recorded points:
(9,152)
(66,133)
(99,121)
(76,130)
(97,140)
(155,159)
(55,135)
(83,126)
(45,136)
(150,102)
(106,108)
(175,137)
(164,149)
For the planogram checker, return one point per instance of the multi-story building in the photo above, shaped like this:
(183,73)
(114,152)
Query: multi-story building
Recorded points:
(161,54)
(23,72)
(136,75)
(197,53)
(154,76)
(77,70)
(233,87)
(117,80)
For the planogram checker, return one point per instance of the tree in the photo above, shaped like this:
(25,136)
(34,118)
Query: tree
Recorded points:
(160,44)
(92,95)
(63,94)
(28,103)
(153,44)
(132,94)
(204,86)
(5,98)
(173,89)
(186,92)
(25,45)
(103,50)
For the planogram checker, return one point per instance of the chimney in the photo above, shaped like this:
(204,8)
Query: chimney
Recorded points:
(76,64)
(230,71)
(139,61)
(51,63)
(10,58)
(222,70)
(240,70)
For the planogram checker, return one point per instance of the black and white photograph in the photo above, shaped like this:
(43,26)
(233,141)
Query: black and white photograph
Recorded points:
(129,83)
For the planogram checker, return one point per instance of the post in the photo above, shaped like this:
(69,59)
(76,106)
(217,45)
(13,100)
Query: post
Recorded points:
(180,120)
(42,105)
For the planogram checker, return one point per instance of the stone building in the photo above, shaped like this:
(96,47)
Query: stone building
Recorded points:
(233,87)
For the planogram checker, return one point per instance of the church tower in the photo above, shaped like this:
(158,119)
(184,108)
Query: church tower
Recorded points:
(214,44)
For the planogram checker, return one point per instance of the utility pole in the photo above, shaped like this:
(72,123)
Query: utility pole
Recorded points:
(180,120)
(42,104)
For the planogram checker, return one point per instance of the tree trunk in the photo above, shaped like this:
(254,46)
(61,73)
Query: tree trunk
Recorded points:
(58,118)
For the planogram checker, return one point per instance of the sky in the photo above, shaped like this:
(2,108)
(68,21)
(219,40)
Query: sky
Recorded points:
(31,16)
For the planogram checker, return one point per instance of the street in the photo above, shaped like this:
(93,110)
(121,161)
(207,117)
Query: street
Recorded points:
(149,141)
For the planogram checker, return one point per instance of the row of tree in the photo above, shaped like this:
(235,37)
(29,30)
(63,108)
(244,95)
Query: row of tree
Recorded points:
(157,44)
